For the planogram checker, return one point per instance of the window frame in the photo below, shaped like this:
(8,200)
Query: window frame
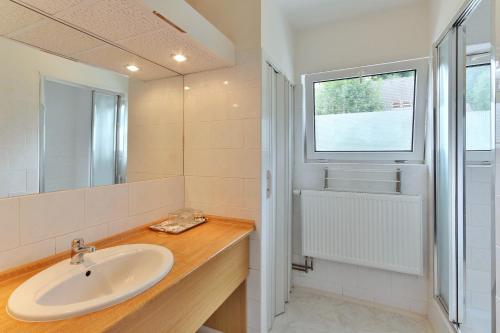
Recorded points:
(421,66)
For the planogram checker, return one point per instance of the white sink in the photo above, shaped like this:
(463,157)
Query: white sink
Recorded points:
(106,277)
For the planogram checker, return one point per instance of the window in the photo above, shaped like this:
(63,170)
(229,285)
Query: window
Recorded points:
(370,113)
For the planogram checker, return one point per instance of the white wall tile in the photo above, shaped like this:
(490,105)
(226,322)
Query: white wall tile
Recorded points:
(145,196)
(252,133)
(199,189)
(252,193)
(151,216)
(227,134)
(409,286)
(173,192)
(119,226)
(57,218)
(389,288)
(105,204)
(27,253)
(90,234)
(49,215)
(197,135)
(9,224)
(228,191)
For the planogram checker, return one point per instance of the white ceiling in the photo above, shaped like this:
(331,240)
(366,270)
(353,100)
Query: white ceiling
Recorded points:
(303,14)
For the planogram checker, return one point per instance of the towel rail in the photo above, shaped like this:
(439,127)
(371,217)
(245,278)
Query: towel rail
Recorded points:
(374,176)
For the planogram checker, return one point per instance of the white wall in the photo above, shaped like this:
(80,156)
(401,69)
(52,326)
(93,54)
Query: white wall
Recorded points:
(441,14)
(277,38)
(237,19)
(393,35)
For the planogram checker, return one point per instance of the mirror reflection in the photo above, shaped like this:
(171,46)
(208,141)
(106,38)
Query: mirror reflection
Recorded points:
(77,112)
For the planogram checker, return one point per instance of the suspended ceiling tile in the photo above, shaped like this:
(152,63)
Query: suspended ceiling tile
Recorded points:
(115,59)
(14,17)
(52,6)
(56,37)
(197,28)
(113,19)
(159,46)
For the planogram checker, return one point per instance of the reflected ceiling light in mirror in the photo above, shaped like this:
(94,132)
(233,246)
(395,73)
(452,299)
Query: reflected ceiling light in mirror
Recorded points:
(187,88)
(225,83)
(235,105)
(132,68)
(179,57)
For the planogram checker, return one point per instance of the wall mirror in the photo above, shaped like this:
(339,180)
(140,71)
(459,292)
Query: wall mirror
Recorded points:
(76,111)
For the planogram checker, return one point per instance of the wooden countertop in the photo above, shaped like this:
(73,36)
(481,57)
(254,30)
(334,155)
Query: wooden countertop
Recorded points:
(191,250)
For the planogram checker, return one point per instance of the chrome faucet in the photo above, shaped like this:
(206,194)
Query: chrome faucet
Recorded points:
(78,249)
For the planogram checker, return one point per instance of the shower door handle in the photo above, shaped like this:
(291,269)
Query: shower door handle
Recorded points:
(269,178)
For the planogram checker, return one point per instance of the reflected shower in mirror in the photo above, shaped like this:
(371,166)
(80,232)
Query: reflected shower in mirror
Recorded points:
(77,112)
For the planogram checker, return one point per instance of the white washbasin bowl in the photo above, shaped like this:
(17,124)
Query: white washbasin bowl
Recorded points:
(106,277)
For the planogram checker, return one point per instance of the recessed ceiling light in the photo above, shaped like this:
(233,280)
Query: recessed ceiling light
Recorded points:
(235,105)
(226,82)
(179,57)
(132,68)
(186,88)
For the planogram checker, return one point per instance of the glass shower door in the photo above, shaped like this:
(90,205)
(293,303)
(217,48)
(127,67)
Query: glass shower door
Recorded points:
(445,259)
(464,172)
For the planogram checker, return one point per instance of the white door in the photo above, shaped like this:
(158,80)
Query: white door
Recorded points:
(276,143)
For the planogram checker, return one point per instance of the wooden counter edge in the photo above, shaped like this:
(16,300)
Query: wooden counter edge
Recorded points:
(51,260)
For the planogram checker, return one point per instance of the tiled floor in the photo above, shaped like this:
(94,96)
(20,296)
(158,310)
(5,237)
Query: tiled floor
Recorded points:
(309,312)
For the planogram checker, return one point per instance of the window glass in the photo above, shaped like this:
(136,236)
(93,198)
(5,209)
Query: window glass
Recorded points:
(372,113)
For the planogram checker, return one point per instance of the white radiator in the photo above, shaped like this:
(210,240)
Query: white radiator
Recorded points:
(374,230)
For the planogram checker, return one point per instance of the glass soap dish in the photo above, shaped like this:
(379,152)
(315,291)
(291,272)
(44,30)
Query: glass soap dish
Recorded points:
(180,221)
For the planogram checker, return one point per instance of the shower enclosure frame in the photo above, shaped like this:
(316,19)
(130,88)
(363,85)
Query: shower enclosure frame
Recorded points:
(455,311)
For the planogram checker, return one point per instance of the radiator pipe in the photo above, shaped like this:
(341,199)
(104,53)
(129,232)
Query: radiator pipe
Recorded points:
(308,265)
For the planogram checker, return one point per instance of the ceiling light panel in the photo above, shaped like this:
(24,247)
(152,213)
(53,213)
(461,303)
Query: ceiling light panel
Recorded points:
(179,57)
(132,68)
